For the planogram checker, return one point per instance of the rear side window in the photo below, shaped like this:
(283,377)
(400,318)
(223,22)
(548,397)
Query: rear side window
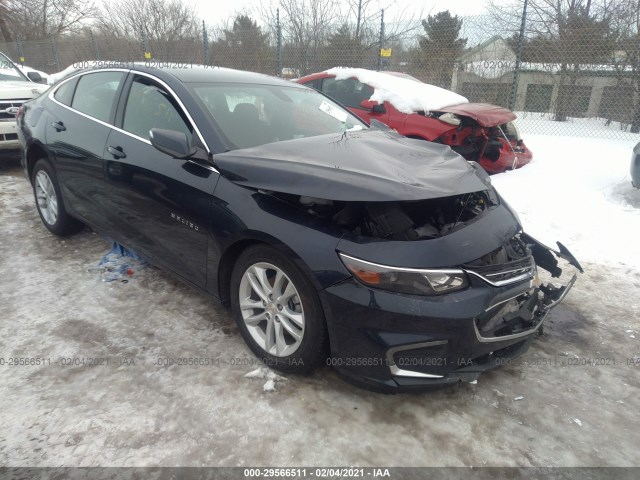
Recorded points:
(151,106)
(64,94)
(95,94)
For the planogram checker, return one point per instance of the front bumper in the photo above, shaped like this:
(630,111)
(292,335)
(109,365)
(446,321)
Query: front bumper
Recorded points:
(9,136)
(387,341)
(508,160)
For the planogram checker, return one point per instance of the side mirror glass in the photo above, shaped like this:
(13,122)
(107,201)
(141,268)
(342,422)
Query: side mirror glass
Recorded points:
(36,77)
(171,142)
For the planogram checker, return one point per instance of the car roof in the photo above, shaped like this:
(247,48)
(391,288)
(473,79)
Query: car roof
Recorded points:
(205,74)
(190,73)
(187,73)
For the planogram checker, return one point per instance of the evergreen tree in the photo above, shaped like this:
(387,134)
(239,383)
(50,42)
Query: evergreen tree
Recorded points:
(344,49)
(245,46)
(440,47)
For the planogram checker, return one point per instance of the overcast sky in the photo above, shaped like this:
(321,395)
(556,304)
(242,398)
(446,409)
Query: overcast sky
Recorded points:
(215,11)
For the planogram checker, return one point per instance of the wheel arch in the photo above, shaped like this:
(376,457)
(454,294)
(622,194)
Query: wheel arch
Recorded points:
(35,151)
(231,254)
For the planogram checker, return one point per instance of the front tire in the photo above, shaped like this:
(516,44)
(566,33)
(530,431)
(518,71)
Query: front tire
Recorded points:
(49,201)
(278,311)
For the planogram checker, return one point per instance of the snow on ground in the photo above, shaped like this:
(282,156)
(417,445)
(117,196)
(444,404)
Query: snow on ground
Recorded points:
(587,197)
(578,191)
(577,128)
(406,95)
(571,400)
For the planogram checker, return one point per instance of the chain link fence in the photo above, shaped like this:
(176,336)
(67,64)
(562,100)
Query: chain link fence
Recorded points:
(585,87)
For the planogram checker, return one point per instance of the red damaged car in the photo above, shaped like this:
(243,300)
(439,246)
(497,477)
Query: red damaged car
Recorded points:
(477,131)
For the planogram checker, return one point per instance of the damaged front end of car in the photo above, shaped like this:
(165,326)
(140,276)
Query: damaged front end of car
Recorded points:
(486,134)
(437,281)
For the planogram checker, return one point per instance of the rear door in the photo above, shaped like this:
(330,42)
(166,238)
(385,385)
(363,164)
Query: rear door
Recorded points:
(77,128)
(160,205)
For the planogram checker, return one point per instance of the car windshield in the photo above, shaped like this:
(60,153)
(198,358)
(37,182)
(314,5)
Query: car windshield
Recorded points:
(250,114)
(9,72)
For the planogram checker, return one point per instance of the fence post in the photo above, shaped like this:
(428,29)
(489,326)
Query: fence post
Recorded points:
(205,41)
(381,46)
(54,52)
(516,71)
(94,43)
(145,44)
(278,44)
(20,49)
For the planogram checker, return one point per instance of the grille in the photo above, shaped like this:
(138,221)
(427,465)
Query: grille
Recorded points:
(505,273)
(8,136)
(7,104)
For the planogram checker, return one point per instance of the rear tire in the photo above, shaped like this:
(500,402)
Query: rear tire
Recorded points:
(49,201)
(278,311)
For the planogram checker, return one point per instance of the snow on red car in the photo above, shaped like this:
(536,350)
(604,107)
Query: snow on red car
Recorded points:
(481,132)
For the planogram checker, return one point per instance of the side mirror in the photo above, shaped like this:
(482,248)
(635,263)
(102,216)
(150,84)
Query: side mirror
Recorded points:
(374,107)
(175,144)
(36,77)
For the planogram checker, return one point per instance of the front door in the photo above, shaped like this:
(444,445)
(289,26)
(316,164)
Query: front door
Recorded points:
(160,205)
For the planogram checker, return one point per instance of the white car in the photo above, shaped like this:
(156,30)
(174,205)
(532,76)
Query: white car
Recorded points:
(15,89)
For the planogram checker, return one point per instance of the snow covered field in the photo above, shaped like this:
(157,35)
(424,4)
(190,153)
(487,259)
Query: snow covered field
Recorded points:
(578,191)
(571,400)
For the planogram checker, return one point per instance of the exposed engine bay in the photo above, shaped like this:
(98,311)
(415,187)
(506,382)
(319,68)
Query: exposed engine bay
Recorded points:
(408,220)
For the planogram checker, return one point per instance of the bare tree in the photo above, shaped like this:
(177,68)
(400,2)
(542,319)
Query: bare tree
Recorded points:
(160,20)
(306,27)
(171,28)
(310,26)
(364,16)
(36,19)
(570,33)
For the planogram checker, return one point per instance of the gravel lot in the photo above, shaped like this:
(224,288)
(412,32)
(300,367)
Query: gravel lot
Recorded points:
(539,411)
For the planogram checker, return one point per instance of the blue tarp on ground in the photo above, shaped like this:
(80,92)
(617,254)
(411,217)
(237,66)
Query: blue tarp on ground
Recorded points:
(119,264)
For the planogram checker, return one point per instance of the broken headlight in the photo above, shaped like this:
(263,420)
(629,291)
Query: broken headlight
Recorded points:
(406,280)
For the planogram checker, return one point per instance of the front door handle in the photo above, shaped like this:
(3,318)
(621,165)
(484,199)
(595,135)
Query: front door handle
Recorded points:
(59,126)
(116,152)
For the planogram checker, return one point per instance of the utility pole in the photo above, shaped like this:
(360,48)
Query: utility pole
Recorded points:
(516,72)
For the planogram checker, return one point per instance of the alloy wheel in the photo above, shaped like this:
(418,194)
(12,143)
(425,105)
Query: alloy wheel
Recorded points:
(271,309)
(46,197)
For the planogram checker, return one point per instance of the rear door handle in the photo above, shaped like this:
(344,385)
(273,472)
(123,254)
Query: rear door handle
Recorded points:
(116,152)
(59,126)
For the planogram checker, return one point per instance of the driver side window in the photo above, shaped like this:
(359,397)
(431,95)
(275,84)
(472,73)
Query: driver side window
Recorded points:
(349,92)
(150,106)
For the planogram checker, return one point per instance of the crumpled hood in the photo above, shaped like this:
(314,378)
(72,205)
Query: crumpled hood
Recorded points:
(367,166)
(485,114)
